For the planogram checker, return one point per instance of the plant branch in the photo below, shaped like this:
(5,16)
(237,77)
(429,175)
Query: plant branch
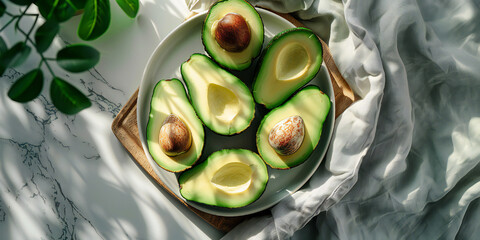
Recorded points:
(27,34)
(8,23)
(13,17)
(44,60)
(17,24)
(33,25)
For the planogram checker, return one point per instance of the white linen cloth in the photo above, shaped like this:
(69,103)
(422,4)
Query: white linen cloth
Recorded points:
(404,160)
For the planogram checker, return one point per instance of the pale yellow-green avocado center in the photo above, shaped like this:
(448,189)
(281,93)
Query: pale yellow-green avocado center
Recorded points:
(233,178)
(228,178)
(170,98)
(312,106)
(223,103)
(234,60)
(231,57)
(292,62)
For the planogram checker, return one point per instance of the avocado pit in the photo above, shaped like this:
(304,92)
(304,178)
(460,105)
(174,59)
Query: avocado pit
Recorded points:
(174,137)
(286,136)
(232,33)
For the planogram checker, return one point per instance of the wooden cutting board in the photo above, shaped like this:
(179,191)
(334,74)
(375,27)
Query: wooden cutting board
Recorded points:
(125,128)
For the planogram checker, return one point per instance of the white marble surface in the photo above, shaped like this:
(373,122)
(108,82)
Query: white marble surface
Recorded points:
(65,177)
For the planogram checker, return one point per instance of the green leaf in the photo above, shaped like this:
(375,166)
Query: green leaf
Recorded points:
(64,11)
(130,7)
(55,10)
(78,57)
(14,56)
(45,35)
(95,19)
(3,46)
(21,2)
(21,56)
(67,98)
(3,8)
(27,87)
(78,4)
(46,9)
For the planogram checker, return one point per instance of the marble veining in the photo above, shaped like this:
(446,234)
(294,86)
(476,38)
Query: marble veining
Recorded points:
(39,184)
(68,177)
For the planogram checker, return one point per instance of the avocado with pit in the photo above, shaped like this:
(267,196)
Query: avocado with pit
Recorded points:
(175,135)
(232,33)
(222,101)
(289,133)
(229,178)
(292,58)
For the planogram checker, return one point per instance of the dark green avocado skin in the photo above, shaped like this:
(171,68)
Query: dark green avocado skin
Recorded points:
(269,51)
(236,86)
(321,111)
(215,55)
(260,166)
(155,120)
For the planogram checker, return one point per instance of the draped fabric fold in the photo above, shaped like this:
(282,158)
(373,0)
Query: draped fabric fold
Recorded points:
(404,159)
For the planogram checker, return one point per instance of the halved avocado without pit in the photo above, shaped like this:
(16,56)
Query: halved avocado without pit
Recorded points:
(232,33)
(229,178)
(222,101)
(171,113)
(292,58)
(312,106)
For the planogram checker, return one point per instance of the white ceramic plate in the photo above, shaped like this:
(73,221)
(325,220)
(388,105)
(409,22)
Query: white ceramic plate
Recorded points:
(165,63)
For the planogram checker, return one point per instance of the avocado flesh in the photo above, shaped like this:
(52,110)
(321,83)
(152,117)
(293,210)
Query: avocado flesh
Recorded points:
(312,106)
(229,178)
(221,100)
(233,60)
(291,60)
(169,97)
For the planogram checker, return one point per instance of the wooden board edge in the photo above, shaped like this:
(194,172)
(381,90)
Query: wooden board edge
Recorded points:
(343,93)
(223,224)
(128,139)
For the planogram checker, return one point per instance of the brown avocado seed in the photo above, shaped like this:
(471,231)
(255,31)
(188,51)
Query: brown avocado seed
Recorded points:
(174,137)
(232,33)
(286,136)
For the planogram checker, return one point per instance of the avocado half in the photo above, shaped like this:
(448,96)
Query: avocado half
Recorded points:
(292,58)
(312,105)
(229,178)
(169,97)
(222,101)
(233,60)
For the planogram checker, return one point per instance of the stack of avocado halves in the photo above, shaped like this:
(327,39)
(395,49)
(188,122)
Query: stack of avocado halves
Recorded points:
(232,35)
